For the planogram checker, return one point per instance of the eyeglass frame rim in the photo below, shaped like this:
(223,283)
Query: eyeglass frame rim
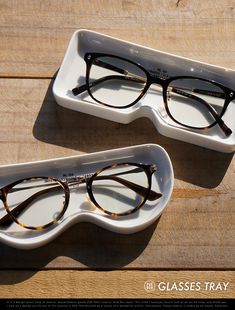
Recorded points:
(89,58)
(146,169)
(88,180)
(5,190)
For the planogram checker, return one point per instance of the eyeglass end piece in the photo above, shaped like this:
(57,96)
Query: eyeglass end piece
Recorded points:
(154,196)
(153,168)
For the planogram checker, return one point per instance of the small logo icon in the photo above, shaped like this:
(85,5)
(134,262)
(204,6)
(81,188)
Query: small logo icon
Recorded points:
(149,286)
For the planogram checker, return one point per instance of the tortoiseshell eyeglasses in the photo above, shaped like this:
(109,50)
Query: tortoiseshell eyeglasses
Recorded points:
(39,202)
(191,102)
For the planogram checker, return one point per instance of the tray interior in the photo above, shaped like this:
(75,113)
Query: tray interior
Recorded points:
(80,205)
(73,71)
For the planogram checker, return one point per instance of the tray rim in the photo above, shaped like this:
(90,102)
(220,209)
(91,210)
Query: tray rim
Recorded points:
(41,239)
(210,141)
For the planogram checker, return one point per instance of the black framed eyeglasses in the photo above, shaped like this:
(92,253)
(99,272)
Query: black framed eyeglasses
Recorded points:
(38,203)
(192,102)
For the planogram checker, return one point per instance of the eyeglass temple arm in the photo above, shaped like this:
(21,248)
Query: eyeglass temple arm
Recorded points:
(80,180)
(135,187)
(136,78)
(78,90)
(125,72)
(82,88)
(7,219)
(227,131)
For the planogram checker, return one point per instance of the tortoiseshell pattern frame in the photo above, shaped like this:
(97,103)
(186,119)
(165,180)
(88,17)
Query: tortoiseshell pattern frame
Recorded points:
(11,216)
(146,193)
(151,78)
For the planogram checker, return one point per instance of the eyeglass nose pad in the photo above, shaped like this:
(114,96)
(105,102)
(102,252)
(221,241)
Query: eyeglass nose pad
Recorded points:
(162,112)
(89,205)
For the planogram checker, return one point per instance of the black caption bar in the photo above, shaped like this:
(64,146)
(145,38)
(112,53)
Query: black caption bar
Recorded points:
(116,303)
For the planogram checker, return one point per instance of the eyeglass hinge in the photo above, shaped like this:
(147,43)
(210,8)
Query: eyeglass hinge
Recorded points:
(153,168)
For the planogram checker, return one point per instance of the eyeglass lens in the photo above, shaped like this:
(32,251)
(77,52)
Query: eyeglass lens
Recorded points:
(195,103)
(112,191)
(117,82)
(36,202)
(191,102)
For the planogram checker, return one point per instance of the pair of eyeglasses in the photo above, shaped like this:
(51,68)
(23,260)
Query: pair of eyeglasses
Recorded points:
(192,102)
(39,202)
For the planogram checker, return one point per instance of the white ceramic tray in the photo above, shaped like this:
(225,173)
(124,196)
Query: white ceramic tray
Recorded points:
(80,209)
(73,69)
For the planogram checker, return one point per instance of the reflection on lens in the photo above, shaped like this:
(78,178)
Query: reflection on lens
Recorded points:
(194,102)
(36,202)
(116,82)
(117,189)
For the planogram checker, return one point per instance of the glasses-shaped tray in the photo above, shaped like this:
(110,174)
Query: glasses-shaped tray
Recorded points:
(80,208)
(176,106)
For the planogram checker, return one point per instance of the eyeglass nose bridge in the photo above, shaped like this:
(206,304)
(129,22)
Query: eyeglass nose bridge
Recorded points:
(154,78)
(77,180)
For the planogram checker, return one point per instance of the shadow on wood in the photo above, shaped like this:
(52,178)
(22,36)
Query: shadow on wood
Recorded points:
(83,246)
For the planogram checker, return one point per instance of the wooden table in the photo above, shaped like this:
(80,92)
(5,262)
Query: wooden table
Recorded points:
(194,238)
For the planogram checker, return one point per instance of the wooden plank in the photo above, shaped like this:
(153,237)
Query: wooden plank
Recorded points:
(196,231)
(34,34)
(116,284)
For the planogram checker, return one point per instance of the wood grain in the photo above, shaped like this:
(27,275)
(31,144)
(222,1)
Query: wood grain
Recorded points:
(195,231)
(34,34)
(113,284)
